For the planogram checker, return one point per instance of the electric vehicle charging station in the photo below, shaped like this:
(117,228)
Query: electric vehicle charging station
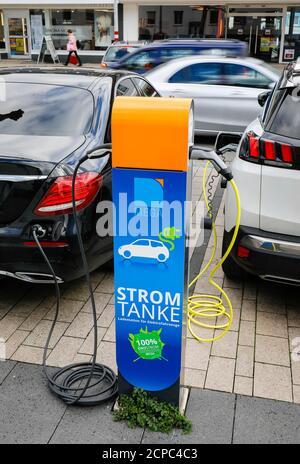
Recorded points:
(151,138)
(152,141)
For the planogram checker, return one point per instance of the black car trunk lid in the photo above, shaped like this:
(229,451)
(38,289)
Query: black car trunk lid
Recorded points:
(19,182)
(25,164)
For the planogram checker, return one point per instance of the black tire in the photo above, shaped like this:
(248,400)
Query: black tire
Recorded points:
(231,269)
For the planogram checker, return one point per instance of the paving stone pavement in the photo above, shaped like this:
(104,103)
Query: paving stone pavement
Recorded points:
(30,413)
(259,356)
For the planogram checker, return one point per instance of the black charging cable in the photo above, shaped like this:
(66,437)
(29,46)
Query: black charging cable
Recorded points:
(100,381)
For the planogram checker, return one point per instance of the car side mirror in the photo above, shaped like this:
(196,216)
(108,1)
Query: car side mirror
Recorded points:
(100,151)
(227,141)
(263,97)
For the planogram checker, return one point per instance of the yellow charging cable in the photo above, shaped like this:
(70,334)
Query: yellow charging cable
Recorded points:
(203,306)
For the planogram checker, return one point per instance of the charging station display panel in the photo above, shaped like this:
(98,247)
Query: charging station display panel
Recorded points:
(149,256)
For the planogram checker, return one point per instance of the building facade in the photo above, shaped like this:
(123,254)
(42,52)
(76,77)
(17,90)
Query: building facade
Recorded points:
(271,29)
(23,25)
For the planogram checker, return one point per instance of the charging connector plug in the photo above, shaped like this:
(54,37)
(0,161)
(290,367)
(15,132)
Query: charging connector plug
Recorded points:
(212,156)
(39,230)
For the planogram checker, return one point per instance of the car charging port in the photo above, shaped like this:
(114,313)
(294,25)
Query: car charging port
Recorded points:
(39,230)
(51,231)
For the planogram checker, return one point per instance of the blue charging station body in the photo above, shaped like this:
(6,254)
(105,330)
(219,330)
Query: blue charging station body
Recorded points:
(151,183)
(149,276)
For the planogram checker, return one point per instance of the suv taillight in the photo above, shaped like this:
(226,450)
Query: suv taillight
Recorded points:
(58,199)
(264,151)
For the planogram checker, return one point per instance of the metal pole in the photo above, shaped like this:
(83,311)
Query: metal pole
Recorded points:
(116,21)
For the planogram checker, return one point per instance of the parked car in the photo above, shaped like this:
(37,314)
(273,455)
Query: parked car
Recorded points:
(148,57)
(266,169)
(118,50)
(48,120)
(224,90)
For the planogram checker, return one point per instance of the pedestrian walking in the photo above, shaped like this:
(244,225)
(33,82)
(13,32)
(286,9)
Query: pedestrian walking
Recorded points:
(72,48)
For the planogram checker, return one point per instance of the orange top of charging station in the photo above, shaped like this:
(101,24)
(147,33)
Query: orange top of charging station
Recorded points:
(151,133)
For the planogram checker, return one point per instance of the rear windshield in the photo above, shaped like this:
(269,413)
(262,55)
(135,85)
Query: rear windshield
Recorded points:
(39,109)
(114,54)
(287,120)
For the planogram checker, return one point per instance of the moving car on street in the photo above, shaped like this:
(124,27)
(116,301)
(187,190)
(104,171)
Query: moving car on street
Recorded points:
(224,90)
(156,53)
(49,119)
(119,50)
(267,172)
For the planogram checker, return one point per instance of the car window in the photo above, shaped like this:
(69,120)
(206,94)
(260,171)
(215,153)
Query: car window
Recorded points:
(243,76)
(273,104)
(115,53)
(145,59)
(126,88)
(287,119)
(145,89)
(172,53)
(199,73)
(141,242)
(218,51)
(44,109)
(156,244)
(265,109)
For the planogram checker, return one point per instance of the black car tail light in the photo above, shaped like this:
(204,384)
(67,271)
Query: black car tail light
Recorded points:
(58,199)
(264,151)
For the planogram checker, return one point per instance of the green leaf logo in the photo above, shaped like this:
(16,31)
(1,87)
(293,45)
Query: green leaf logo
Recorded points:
(147,345)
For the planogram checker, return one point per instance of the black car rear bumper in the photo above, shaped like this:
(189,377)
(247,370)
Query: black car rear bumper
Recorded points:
(26,263)
(271,256)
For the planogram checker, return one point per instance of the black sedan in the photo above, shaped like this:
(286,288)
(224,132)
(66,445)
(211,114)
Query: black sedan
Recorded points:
(49,119)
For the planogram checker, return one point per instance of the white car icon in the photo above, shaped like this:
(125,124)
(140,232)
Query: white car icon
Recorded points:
(143,248)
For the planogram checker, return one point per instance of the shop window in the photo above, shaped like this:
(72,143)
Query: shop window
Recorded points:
(163,22)
(37,26)
(93,29)
(291,49)
(67,15)
(178,18)
(150,18)
(213,17)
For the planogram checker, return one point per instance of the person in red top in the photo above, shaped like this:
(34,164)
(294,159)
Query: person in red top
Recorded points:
(72,47)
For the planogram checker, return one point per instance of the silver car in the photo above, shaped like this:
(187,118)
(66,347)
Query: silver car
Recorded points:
(224,90)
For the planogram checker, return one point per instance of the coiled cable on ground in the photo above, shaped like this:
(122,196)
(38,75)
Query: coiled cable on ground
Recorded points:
(84,384)
(205,310)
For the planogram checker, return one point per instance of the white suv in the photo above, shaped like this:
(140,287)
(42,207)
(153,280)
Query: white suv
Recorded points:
(267,172)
